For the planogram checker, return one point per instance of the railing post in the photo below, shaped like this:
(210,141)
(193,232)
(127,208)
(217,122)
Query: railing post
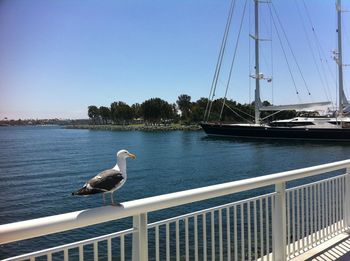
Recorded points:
(347,199)
(140,238)
(279,223)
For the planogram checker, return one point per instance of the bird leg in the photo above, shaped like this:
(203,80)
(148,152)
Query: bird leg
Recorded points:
(113,204)
(104,199)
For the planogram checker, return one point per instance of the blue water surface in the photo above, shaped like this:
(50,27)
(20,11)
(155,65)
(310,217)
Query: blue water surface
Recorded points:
(41,165)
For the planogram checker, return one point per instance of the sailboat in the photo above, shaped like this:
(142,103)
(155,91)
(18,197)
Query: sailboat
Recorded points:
(308,128)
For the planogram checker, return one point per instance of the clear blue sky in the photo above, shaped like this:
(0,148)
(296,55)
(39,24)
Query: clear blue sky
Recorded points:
(58,57)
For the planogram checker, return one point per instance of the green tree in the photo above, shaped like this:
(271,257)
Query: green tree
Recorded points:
(136,110)
(156,110)
(198,109)
(105,114)
(121,113)
(93,113)
(185,105)
(176,116)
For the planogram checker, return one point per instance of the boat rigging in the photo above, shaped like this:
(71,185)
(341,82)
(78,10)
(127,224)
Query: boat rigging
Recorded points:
(320,128)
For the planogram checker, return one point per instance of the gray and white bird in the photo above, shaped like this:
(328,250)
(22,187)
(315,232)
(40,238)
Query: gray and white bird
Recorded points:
(108,181)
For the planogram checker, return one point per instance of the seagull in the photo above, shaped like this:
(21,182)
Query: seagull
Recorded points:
(108,181)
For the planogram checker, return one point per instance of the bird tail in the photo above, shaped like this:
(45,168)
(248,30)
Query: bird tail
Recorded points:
(86,191)
(82,191)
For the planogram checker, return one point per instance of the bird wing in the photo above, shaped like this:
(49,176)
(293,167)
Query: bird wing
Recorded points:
(106,180)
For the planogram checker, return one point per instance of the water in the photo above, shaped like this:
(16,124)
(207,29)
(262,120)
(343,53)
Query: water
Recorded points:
(41,166)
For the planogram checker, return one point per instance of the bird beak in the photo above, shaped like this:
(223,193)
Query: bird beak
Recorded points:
(133,156)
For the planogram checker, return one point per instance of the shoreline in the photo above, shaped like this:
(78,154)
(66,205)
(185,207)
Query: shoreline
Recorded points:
(140,127)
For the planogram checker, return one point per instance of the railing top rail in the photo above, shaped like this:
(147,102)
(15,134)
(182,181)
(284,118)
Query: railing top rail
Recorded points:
(63,222)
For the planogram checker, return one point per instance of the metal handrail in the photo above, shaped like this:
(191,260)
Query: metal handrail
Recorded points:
(63,222)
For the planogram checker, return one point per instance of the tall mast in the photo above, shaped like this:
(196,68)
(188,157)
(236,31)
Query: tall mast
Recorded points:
(340,60)
(257,78)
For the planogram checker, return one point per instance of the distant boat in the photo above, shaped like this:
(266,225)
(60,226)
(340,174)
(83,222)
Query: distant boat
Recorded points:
(336,127)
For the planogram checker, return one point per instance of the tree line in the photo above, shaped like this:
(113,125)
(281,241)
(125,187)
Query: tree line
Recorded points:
(159,111)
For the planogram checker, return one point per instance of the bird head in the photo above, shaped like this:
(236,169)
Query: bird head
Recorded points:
(123,154)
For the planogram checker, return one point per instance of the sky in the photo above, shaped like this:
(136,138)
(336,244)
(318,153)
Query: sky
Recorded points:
(59,57)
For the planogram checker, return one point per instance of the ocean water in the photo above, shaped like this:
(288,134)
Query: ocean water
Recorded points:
(41,165)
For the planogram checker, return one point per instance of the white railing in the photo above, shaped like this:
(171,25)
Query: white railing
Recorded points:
(226,232)
(315,213)
(302,217)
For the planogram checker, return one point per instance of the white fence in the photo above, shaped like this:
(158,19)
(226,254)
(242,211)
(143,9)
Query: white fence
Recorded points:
(315,213)
(275,226)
